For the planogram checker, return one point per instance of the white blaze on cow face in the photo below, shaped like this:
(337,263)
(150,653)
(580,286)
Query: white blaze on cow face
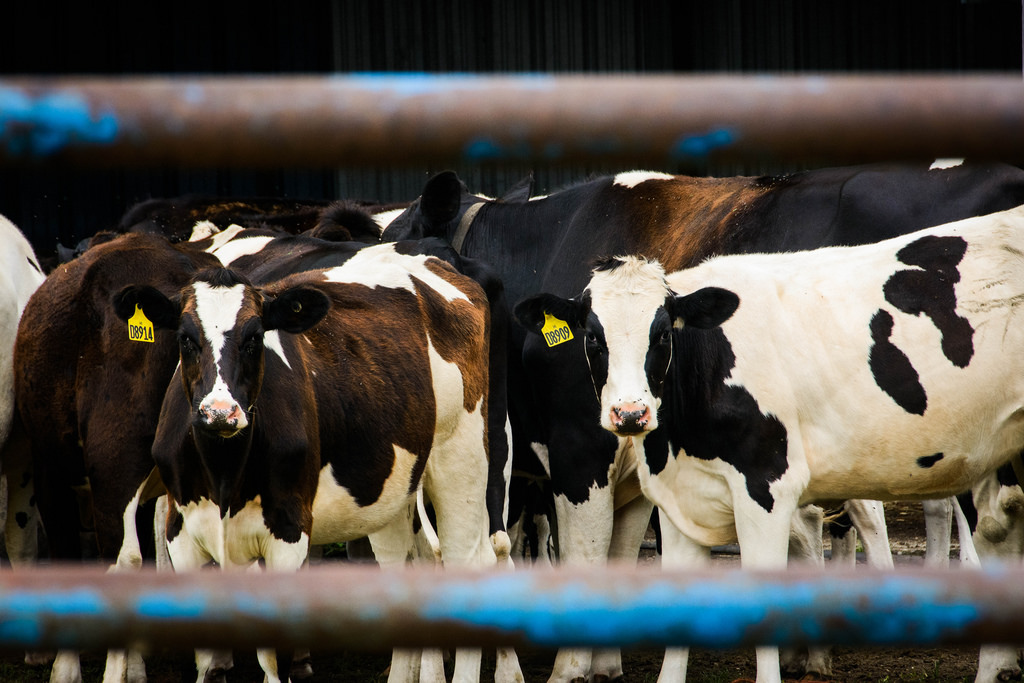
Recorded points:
(216,310)
(625,302)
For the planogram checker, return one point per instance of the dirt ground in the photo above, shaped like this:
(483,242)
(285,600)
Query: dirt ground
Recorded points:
(906,531)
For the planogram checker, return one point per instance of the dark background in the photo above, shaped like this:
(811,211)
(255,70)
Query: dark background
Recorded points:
(653,36)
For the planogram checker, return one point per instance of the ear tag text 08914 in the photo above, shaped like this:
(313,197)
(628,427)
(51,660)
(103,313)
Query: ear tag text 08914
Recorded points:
(139,327)
(555,331)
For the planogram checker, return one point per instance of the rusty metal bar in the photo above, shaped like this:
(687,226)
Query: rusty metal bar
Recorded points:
(403,119)
(362,608)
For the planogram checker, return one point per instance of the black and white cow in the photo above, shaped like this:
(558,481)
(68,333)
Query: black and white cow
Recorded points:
(884,371)
(20,276)
(548,244)
(313,410)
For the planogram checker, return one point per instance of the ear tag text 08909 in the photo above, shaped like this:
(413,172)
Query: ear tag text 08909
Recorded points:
(555,331)
(139,327)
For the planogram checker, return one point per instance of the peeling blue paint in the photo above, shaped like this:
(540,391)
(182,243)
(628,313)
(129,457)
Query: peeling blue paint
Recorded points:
(40,127)
(701,145)
(892,611)
(162,606)
(411,84)
(23,615)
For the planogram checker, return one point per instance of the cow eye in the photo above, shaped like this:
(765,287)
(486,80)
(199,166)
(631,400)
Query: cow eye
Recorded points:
(253,344)
(666,337)
(187,346)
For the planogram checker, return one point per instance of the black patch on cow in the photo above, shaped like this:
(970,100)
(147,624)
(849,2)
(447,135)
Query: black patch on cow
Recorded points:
(607,264)
(34,266)
(840,525)
(720,421)
(930,291)
(597,352)
(892,369)
(1006,476)
(22,519)
(929,460)
(659,351)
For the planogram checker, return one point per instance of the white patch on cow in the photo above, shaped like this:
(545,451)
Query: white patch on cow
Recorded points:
(224,236)
(384,218)
(338,517)
(381,266)
(217,309)
(540,196)
(633,178)
(203,230)
(20,276)
(235,542)
(231,251)
(627,297)
(945,163)
(541,451)
(272,341)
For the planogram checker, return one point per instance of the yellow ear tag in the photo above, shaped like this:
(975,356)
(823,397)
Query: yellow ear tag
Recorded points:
(555,331)
(139,327)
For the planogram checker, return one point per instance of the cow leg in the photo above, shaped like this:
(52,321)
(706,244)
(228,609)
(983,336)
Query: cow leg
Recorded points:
(393,546)
(187,555)
(868,516)
(124,665)
(764,542)
(938,522)
(21,527)
(806,548)
(998,539)
(630,525)
(678,551)
(584,540)
(282,557)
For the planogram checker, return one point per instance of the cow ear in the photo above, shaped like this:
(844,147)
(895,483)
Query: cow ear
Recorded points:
(162,311)
(520,192)
(442,197)
(295,310)
(530,312)
(704,309)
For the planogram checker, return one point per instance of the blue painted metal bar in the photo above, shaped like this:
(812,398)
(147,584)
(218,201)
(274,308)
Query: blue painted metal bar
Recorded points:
(363,608)
(401,119)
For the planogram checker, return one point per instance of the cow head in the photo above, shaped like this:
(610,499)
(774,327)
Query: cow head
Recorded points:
(221,320)
(440,208)
(627,313)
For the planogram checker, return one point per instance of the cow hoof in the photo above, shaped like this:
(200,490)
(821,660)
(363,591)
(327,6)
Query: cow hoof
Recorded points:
(216,676)
(1009,674)
(301,670)
(38,658)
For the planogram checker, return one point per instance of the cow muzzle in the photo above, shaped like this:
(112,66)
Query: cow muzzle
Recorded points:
(226,418)
(630,418)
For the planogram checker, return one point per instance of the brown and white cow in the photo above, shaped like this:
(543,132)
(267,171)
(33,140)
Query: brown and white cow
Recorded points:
(885,371)
(313,409)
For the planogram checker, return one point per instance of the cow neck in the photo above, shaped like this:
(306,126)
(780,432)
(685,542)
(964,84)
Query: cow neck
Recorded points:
(464,223)
(224,462)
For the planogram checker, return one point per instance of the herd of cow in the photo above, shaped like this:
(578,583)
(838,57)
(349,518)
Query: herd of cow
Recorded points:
(279,375)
